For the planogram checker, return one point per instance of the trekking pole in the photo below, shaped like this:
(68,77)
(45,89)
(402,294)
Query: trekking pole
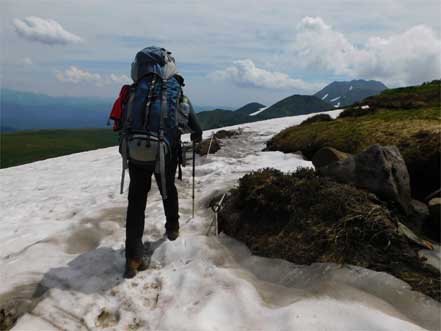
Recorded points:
(216,208)
(194,158)
(209,146)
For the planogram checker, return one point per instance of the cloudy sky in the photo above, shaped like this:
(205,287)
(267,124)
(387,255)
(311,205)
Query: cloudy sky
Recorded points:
(230,52)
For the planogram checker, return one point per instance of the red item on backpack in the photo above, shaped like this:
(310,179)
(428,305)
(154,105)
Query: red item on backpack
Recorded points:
(116,112)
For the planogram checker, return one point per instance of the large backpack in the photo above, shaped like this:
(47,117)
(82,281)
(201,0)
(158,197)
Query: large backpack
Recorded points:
(153,115)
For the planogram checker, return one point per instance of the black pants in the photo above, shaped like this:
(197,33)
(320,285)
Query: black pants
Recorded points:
(140,184)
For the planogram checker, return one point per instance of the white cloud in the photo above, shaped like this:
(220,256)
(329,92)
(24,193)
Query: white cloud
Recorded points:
(121,79)
(27,61)
(407,58)
(244,73)
(45,31)
(76,75)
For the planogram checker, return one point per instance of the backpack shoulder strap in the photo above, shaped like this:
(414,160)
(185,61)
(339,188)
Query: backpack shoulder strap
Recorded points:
(162,145)
(149,101)
(164,104)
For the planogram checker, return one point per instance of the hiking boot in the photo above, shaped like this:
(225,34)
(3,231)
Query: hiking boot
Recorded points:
(172,234)
(133,266)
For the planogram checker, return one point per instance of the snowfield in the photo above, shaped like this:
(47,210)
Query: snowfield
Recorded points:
(62,256)
(259,111)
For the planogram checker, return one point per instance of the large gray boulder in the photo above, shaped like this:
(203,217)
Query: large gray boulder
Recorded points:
(418,214)
(326,155)
(435,210)
(434,221)
(378,169)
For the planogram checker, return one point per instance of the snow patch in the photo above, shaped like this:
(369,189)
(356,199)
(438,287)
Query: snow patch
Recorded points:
(325,96)
(335,99)
(259,111)
(337,105)
(365,107)
(350,88)
(197,282)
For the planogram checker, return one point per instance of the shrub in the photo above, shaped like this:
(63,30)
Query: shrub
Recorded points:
(317,118)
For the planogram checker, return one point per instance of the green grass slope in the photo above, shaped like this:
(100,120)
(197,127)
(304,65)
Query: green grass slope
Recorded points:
(216,118)
(29,146)
(219,118)
(249,108)
(292,106)
(409,118)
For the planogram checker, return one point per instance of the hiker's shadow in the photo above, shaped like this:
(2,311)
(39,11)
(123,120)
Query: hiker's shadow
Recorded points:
(95,271)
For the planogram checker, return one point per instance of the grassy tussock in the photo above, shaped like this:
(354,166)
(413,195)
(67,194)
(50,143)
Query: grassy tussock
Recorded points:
(304,219)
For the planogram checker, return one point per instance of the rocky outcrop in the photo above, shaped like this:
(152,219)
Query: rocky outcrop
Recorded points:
(418,214)
(434,221)
(327,155)
(203,148)
(225,134)
(379,169)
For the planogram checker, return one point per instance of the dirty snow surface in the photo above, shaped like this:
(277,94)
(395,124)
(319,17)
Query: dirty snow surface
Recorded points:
(62,256)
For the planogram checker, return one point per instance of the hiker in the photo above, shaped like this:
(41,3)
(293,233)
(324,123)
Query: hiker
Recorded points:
(151,115)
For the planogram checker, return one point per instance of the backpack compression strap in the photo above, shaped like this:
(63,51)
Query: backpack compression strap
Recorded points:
(149,102)
(162,145)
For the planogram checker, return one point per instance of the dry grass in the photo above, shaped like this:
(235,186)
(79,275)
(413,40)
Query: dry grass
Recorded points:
(304,218)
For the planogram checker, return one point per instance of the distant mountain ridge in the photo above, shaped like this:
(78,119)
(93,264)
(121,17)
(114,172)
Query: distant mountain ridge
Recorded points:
(252,112)
(221,117)
(22,110)
(341,94)
(27,111)
(334,95)
(199,108)
(292,106)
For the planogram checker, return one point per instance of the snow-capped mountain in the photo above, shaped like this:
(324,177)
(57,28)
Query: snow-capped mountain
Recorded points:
(340,94)
(62,258)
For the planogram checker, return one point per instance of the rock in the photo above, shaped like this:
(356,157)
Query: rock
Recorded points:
(422,152)
(379,169)
(432,226)
(418,214)
(224,134)
(203,147)
(405,231)
(436,194)
(327,155)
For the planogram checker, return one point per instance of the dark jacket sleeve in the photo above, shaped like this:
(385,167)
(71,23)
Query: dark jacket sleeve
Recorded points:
(194,125)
